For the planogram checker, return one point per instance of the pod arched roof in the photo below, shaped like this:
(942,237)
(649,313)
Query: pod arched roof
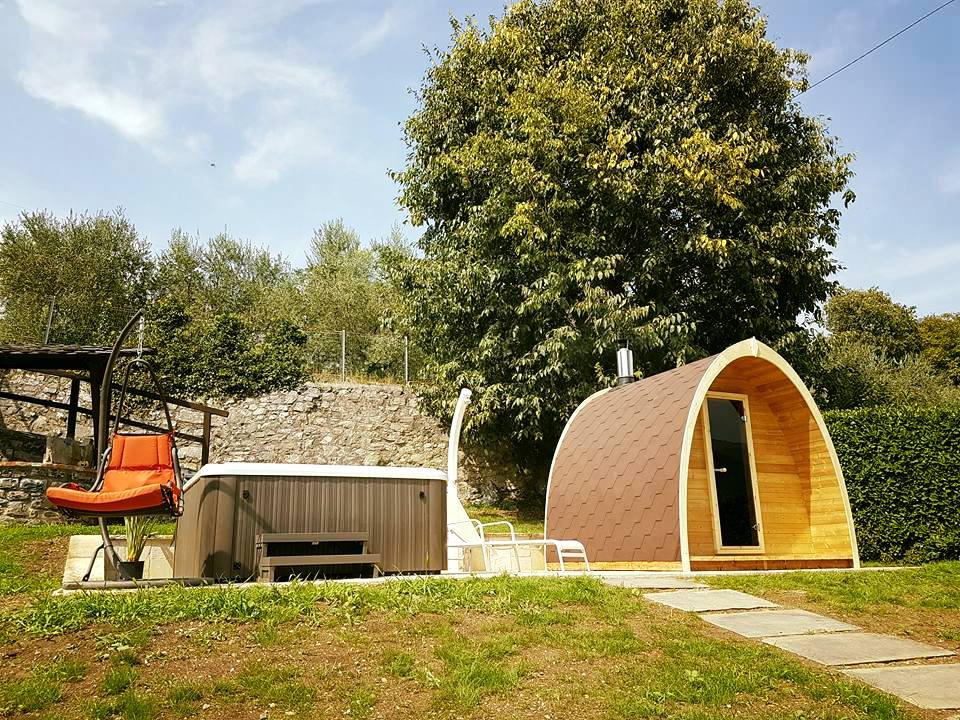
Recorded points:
(618,481)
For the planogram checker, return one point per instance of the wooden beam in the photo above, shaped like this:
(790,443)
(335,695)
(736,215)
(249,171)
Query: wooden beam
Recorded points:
(205,441)
(199,407)
(87,411)
(72,409)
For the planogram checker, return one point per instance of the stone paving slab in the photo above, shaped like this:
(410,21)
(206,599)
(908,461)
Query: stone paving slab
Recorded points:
(855,648)
(708,600)
(776,623)
(651,582)
(934,687)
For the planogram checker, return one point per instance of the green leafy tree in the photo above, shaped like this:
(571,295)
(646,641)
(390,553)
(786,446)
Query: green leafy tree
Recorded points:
(224,319)
(224,275)
(345,287)
(853,374)
(872,317)
(224,355)
(588,170)
(940,335)
(95,268)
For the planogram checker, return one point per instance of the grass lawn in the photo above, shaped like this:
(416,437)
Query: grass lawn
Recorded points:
(503,647)
(922,603)
(523,524)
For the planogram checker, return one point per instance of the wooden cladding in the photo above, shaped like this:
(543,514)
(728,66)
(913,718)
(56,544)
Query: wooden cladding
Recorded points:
(804,516)
(405,520)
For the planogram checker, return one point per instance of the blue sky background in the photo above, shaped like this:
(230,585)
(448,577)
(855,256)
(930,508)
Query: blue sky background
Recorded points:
(298,103)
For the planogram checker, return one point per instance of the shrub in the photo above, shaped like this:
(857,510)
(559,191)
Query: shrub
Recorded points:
(902,467)
(226,355)
(853,374)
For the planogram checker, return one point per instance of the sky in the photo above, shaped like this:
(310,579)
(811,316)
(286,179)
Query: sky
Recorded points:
(266,119)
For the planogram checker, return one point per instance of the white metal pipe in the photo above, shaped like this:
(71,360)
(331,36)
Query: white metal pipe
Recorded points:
(453,446)
(624,365)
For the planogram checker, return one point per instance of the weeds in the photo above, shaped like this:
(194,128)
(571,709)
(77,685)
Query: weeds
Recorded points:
(183,698)
(41,689)
(399,664)
(281,686)
(360,702)
(55,615)
(118,679)
(470,673)
(129,706)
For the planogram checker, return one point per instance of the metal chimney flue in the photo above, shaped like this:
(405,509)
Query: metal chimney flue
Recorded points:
(625,365)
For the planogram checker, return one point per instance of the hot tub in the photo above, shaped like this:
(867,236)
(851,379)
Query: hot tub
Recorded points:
(402,509)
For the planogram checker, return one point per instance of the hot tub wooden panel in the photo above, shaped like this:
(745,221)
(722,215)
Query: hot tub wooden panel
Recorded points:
(405,518)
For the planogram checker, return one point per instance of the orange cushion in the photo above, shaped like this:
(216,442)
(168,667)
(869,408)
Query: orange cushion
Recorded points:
(137,460)
(139,471)
(133,500)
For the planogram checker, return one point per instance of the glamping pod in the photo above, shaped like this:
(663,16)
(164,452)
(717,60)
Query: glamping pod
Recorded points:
(721,464)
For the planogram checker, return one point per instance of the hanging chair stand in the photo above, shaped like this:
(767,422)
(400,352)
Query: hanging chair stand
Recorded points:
(144,470)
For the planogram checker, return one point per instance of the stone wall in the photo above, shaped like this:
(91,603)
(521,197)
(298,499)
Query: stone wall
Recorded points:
(318,423)
(23,487)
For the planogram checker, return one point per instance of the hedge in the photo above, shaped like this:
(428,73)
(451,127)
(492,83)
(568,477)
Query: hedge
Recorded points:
(902,467)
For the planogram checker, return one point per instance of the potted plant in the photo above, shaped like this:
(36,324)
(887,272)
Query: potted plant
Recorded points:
(138,531)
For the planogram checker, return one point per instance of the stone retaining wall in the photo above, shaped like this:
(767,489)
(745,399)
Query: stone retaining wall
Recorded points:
(23,487)
(318,423)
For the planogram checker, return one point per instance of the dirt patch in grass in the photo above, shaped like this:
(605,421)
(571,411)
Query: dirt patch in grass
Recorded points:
(45,558)
(507,647)
(32,559)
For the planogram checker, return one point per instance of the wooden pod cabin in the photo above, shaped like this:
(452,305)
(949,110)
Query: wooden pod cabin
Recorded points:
(721,464)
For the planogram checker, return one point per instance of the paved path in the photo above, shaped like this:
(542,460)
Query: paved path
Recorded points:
(829,642)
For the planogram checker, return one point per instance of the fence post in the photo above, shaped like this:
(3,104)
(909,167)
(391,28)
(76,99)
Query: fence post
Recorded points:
(406,360)
(46,335)
(343,356)
(205,445)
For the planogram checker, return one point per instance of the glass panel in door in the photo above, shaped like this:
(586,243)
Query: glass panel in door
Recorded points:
(731,468)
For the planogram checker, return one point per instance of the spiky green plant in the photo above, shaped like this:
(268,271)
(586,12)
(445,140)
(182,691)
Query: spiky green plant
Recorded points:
(138,530)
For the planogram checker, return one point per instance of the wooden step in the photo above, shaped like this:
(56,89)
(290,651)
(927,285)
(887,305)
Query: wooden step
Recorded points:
(317,537)
(318,560)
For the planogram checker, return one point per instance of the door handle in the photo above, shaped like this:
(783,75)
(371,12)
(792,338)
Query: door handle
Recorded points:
(716,470)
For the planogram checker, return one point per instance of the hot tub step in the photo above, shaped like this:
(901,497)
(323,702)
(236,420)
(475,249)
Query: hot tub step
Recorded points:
(307,553)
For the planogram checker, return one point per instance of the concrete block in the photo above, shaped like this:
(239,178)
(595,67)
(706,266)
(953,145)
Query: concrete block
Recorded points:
(934,687)
(855,648)
(775,623)
(648,581)
(707,600)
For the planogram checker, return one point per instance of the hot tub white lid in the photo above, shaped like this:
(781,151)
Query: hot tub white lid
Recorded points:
(307,470)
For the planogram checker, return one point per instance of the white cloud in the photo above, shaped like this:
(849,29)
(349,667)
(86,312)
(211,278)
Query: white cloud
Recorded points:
(840,42)
(189,81)
(371,37)
(134,117)
(272,151)
(920,262)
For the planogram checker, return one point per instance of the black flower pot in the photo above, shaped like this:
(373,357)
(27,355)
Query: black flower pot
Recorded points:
(131,570)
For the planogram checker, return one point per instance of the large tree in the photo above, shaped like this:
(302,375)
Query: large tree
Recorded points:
(588,170)
(873,318)
(95,269)
(941,343)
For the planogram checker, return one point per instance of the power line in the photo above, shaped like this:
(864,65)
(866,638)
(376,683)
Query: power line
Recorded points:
(877,47)
(4,202)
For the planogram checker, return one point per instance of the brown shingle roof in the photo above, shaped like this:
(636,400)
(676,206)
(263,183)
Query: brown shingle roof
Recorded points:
(614,484)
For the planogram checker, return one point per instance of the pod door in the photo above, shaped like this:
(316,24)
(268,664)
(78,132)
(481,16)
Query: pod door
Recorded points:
(737,525)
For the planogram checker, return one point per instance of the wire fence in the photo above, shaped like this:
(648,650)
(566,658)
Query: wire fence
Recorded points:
(347,355)
(332,355)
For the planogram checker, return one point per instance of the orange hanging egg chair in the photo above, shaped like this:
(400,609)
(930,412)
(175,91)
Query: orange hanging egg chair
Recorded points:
(137,474)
